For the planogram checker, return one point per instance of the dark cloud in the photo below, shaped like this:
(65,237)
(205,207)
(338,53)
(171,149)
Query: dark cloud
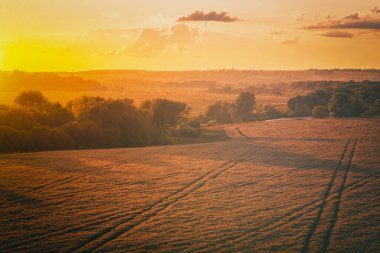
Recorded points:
(337,34)
(210,16)
(353,21)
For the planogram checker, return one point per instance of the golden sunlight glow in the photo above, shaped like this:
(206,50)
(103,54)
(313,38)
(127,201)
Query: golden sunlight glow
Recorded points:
(178,35)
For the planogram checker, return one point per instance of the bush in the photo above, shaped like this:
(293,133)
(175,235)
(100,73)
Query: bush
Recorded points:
(344,105)
(45,138)
(166,112)
(271,112)
(12,140)
(300,106)
(375,110)
(320,111)
(222,112)
(188,132)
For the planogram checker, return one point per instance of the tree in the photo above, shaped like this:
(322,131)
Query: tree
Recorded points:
(120,122)
(271,112)
(166,112)
(32,98)
(244,105)
(344,105)
(12,140)
(83,104)
(320,111)
(300,106)
(220,111)
(46,138)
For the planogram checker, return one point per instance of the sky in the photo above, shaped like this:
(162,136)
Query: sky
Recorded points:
(72,35)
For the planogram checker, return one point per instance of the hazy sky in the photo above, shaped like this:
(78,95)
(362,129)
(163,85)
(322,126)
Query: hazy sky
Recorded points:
(50,35)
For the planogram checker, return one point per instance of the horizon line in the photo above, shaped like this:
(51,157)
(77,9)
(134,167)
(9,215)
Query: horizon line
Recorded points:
(193,70)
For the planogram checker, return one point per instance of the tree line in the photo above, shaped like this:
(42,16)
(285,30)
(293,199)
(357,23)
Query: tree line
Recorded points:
(350,100)
(34,123)
(347,101)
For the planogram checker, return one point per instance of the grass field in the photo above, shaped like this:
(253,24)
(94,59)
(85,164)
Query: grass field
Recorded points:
(283,185)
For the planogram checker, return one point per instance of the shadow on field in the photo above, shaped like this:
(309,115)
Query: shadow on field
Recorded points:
(20,198)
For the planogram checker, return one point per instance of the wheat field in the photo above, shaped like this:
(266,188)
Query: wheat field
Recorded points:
(308,185)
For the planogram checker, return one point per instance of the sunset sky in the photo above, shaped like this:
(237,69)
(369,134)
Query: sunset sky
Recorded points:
(55,35)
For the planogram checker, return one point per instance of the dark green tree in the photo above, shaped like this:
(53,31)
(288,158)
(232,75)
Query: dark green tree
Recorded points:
(244,105)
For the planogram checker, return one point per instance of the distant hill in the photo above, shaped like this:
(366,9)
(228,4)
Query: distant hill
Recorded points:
(234,77)
(20,80)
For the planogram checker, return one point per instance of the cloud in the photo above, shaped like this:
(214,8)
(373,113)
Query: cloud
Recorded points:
(153,41)
(354,16)
(210,16)
(111,15)
(107,41)
(290,42)
(353,21)
(375,10)
(276,33)
(337,34)
(182,35)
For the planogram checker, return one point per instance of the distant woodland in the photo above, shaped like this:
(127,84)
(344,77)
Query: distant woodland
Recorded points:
(33,123)
(20,80)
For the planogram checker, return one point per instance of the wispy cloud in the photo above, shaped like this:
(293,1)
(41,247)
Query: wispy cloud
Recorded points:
(276,33)
(290,42)
(112,15)
(337,34)
(352,21)
(208,16)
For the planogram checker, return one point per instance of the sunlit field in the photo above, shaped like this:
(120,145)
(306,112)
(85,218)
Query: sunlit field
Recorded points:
(190,126)
(284,185)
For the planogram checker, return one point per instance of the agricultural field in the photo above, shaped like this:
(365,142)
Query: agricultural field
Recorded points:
(310,185)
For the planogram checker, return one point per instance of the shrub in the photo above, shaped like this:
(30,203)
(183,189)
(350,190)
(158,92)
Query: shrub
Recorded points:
(344,105)
(222,112)
(271,112)
(375,110)
(320,111)
(12,140)
(188,132)
(45,138)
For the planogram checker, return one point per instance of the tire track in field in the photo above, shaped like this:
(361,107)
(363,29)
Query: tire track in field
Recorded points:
(70,179)
(266,228)
(293,214)
(104,217)
(241,133)
(290,216)
(107,235)
(360,182)
(327,237)
(318,219)
(99,220)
